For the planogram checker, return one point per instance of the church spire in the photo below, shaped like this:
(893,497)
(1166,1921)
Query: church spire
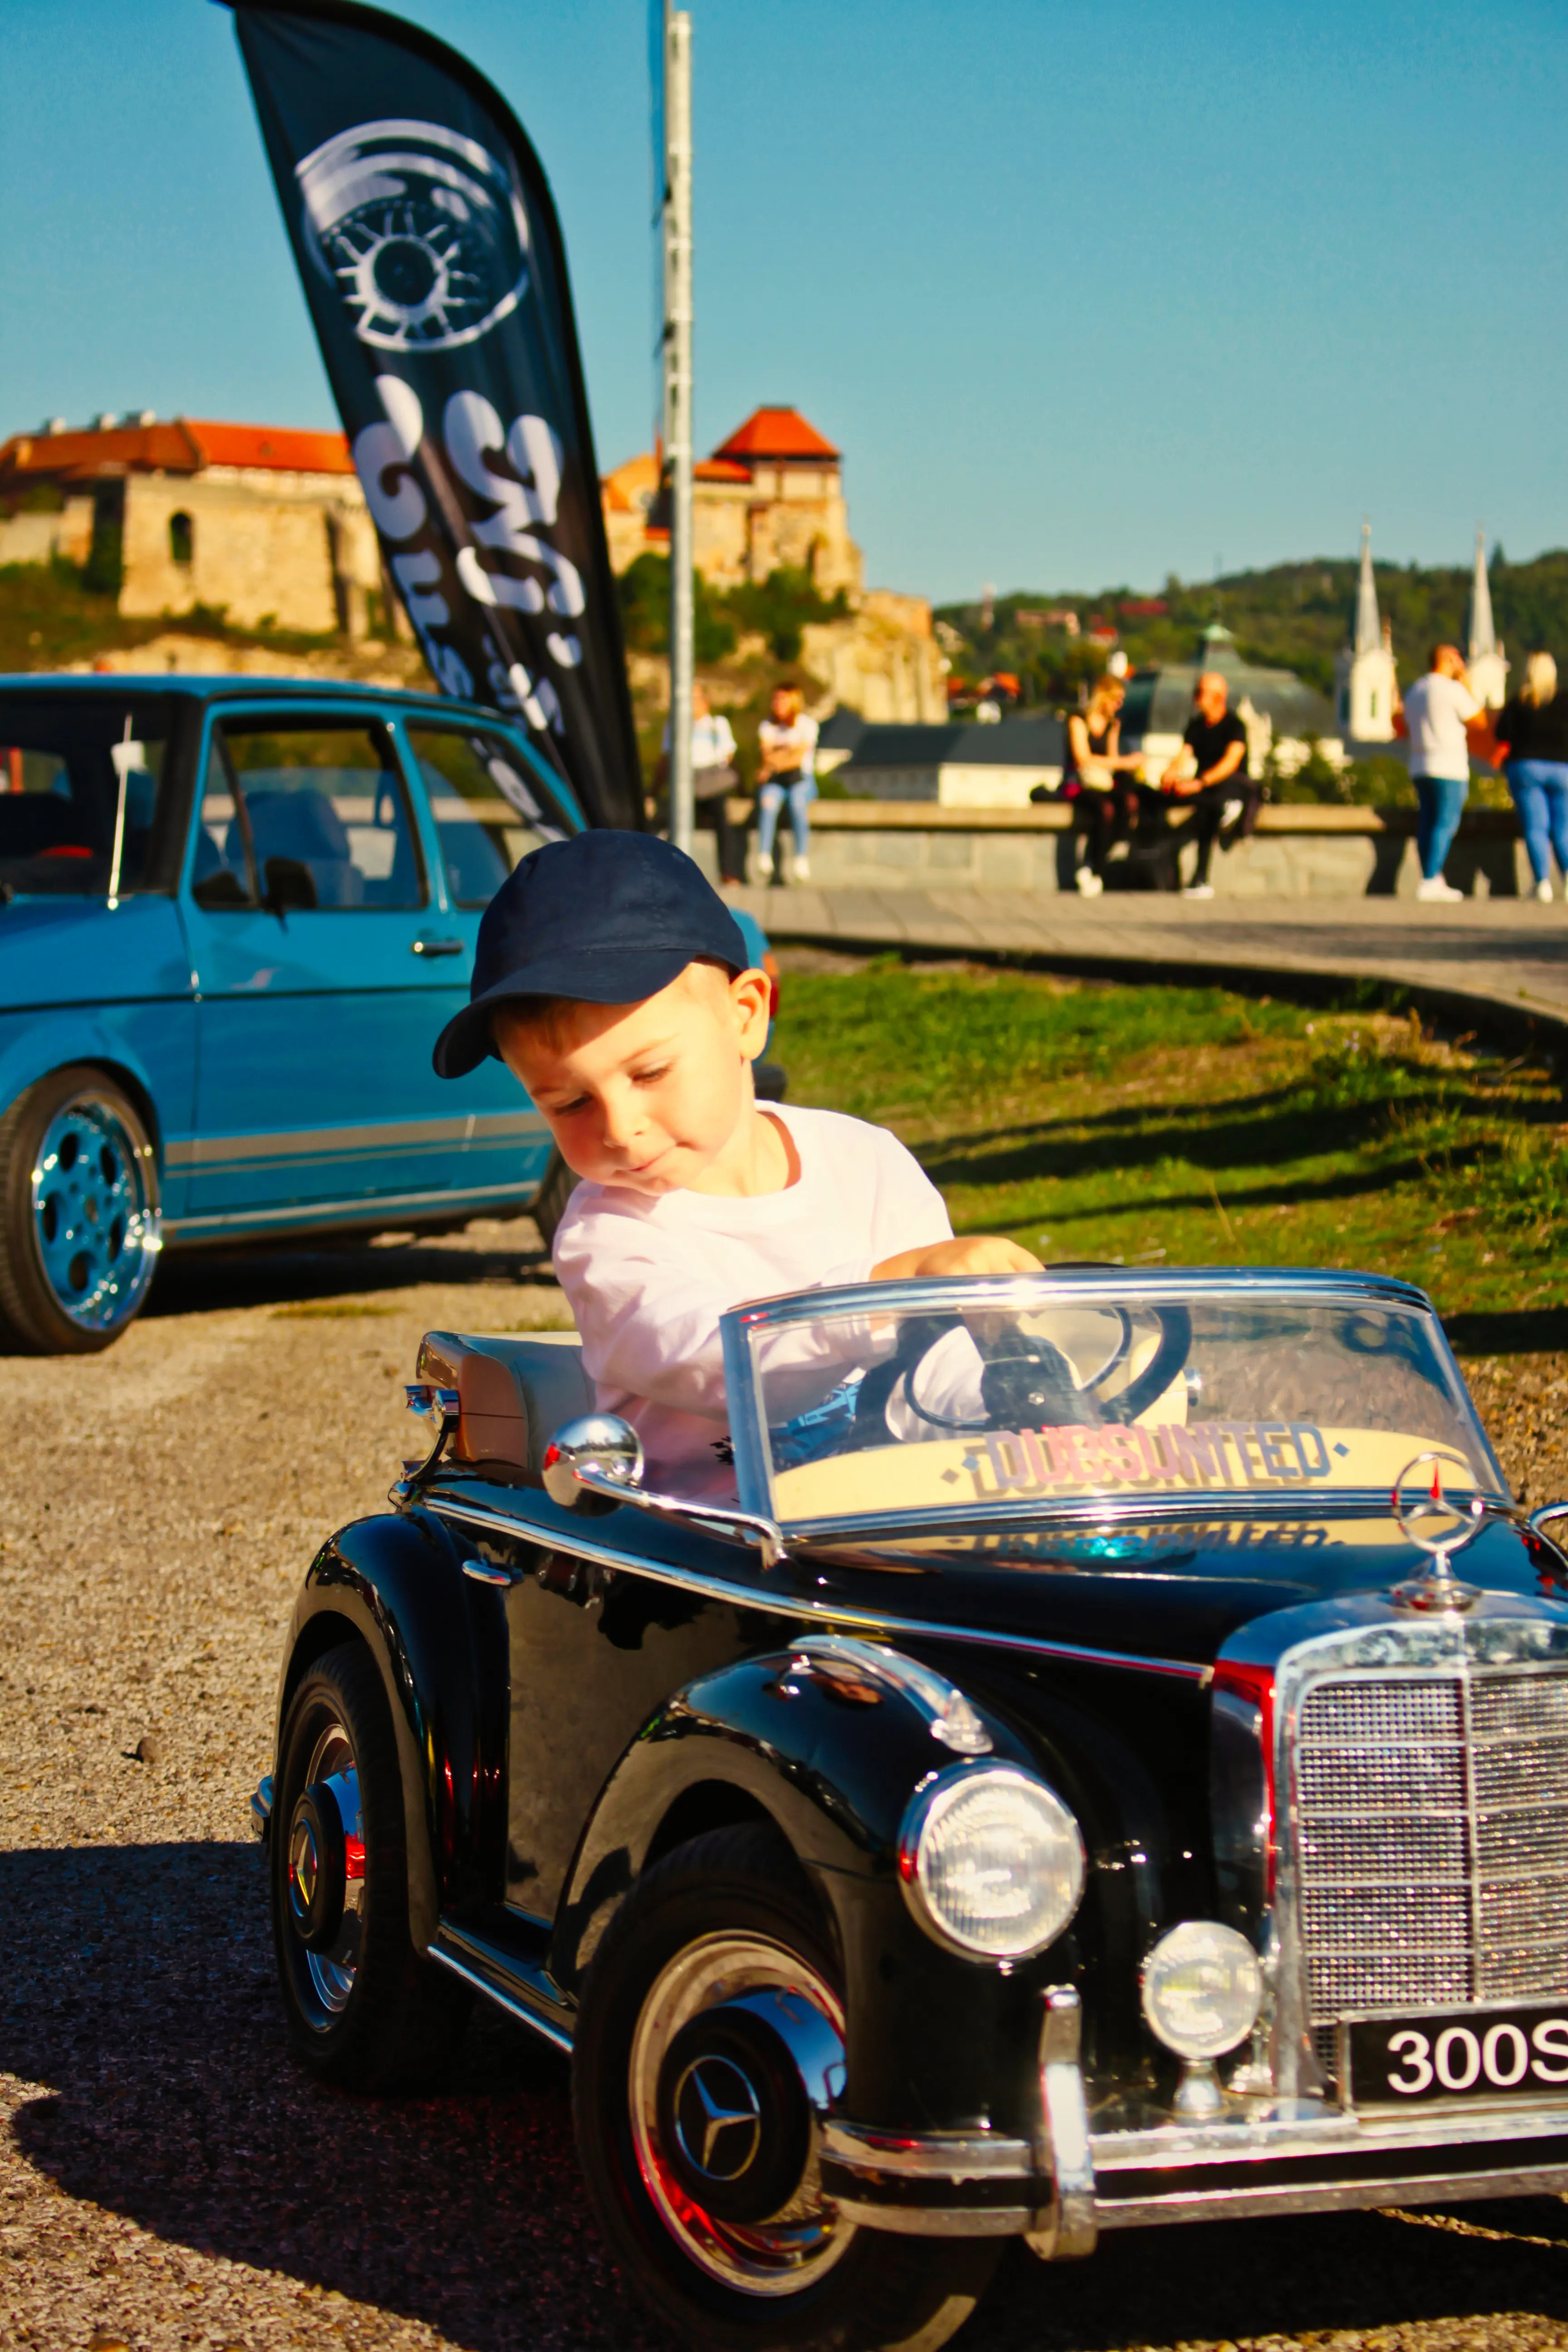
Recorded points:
(1368,634)
(1482,634)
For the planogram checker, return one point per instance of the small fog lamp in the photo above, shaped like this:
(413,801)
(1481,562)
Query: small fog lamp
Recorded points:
(1203,1988)
(991,1859)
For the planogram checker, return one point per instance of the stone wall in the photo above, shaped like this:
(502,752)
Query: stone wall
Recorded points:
(39,537)
(295,550)
(1297,853)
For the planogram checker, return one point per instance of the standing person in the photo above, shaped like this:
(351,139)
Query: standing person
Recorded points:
(1532,730)
(788,740)
(1100,780)
(714,776)
(1436,716)
(1210,771)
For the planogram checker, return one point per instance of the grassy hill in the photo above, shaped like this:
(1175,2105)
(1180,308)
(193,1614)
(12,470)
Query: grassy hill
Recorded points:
(1293,616)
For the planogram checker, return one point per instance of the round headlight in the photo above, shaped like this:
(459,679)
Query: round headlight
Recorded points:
(1203,1988)
(992,1861)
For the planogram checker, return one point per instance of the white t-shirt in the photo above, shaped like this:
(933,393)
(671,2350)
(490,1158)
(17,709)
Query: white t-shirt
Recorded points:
(1435,710)
(798,739)
(647,1280)
(712,740)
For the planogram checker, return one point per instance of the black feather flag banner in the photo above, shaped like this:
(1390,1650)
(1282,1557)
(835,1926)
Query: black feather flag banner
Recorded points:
(432,265)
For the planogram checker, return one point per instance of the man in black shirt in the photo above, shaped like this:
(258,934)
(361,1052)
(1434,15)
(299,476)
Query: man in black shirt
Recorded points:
(1210,774)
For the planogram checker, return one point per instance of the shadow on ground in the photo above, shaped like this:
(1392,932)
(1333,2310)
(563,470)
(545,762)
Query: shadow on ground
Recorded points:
(138,1989)
(1508,1331)
(195,1281)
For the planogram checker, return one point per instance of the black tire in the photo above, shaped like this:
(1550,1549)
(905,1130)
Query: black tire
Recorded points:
(863,2290)
(364,2009)
(549,1205)
(79,1222)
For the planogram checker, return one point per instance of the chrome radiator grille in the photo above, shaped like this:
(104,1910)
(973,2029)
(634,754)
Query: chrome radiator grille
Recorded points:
(1431,1822)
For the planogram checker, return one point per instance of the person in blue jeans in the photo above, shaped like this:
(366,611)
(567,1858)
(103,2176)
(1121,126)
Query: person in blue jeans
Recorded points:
(788,742)
(1439,715)
(1532,729)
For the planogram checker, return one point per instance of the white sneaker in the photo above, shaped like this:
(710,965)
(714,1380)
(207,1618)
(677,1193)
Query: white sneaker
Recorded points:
(1198,891)
(1089,882)
(1433,886)
(1543,892)
(801,870)
(765,867)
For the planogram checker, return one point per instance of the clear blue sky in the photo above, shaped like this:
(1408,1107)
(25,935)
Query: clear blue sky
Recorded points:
(1085,295)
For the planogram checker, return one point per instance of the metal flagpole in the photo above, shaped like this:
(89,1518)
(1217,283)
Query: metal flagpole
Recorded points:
(677,407)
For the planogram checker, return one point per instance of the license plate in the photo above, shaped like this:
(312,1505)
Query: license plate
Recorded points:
(1463,2053)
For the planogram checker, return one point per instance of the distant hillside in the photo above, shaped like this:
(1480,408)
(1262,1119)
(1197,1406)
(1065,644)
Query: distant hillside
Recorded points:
(1294,615)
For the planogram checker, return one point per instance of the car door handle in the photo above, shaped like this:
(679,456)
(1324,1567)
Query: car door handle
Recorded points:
(437,947)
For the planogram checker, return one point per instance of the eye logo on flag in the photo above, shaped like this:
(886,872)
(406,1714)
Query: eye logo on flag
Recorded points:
(421,231)
(432,262)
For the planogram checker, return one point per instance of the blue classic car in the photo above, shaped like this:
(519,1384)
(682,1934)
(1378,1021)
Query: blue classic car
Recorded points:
(233,915)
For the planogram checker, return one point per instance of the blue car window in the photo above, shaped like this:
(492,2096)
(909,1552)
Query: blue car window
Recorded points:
(489,812)
(223,871)
(72,774)
(326,798)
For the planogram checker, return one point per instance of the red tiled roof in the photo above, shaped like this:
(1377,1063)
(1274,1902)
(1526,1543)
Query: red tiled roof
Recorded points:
(181,447)
(78,457)
(277,447)
(776,432)
(721,469)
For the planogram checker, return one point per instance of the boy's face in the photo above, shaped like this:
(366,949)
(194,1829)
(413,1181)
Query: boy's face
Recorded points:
(646,1096)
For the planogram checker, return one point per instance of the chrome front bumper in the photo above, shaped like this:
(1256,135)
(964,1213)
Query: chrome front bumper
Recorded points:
(1261,2157)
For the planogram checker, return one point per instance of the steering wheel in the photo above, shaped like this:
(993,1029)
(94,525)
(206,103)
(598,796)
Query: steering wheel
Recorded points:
(1026,1381)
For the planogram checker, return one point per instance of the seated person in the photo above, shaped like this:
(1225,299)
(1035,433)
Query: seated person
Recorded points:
(1209,771)
(613,983)
(1100,780)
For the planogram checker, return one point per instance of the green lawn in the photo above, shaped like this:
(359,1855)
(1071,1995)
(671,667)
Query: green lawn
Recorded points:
(1182,1126)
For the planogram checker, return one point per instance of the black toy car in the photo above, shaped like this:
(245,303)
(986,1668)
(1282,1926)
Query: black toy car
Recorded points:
(1059,1793)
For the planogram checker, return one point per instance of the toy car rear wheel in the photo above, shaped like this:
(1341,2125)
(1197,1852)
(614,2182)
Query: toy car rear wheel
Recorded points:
(711,2031)
(364,2009)
(79,1224)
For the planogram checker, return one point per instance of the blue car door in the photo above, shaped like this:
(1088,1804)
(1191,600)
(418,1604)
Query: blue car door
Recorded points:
(322,971)
(489,807)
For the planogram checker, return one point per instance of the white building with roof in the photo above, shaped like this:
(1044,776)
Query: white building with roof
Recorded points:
(1365,686)
(1483,650)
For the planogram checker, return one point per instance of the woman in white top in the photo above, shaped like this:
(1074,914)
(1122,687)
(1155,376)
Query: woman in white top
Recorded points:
(788,766)
(714,776)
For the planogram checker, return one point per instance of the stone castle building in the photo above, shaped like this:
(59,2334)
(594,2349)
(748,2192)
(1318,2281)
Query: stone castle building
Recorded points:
(772,494)
(265,524)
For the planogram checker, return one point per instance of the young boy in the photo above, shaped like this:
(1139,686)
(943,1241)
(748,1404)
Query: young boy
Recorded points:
(613,983)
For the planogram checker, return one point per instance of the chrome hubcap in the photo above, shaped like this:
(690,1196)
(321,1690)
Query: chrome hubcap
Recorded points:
(95,1214)
(706,2118)
(330,1972)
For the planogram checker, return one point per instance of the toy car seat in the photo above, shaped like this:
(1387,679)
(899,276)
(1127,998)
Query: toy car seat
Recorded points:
(515,1392)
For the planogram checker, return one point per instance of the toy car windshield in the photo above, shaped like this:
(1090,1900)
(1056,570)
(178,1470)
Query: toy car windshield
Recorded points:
(1005,1394)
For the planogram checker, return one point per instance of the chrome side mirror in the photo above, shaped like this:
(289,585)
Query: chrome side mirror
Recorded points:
(595,1463)
(589,1453)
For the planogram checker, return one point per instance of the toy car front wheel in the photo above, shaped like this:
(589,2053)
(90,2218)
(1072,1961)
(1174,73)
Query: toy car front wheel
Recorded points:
(80,1227)
(364,2009)
(710,2039)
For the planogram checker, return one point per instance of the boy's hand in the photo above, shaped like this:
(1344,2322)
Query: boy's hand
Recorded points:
(980,1254)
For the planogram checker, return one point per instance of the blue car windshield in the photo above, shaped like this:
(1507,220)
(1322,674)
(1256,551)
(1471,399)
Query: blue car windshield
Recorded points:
(74,772)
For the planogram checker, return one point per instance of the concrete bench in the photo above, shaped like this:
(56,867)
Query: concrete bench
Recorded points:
(1297,851)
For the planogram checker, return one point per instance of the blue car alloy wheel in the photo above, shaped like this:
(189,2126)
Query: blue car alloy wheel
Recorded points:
(81,1233)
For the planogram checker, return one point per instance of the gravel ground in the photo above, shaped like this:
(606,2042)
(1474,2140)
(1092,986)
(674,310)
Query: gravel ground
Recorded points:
(167,2177)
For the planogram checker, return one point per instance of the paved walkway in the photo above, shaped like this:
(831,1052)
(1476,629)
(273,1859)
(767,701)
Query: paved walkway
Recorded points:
(1482,956)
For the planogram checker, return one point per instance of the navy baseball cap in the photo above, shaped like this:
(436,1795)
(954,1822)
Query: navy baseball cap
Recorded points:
(606,917)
